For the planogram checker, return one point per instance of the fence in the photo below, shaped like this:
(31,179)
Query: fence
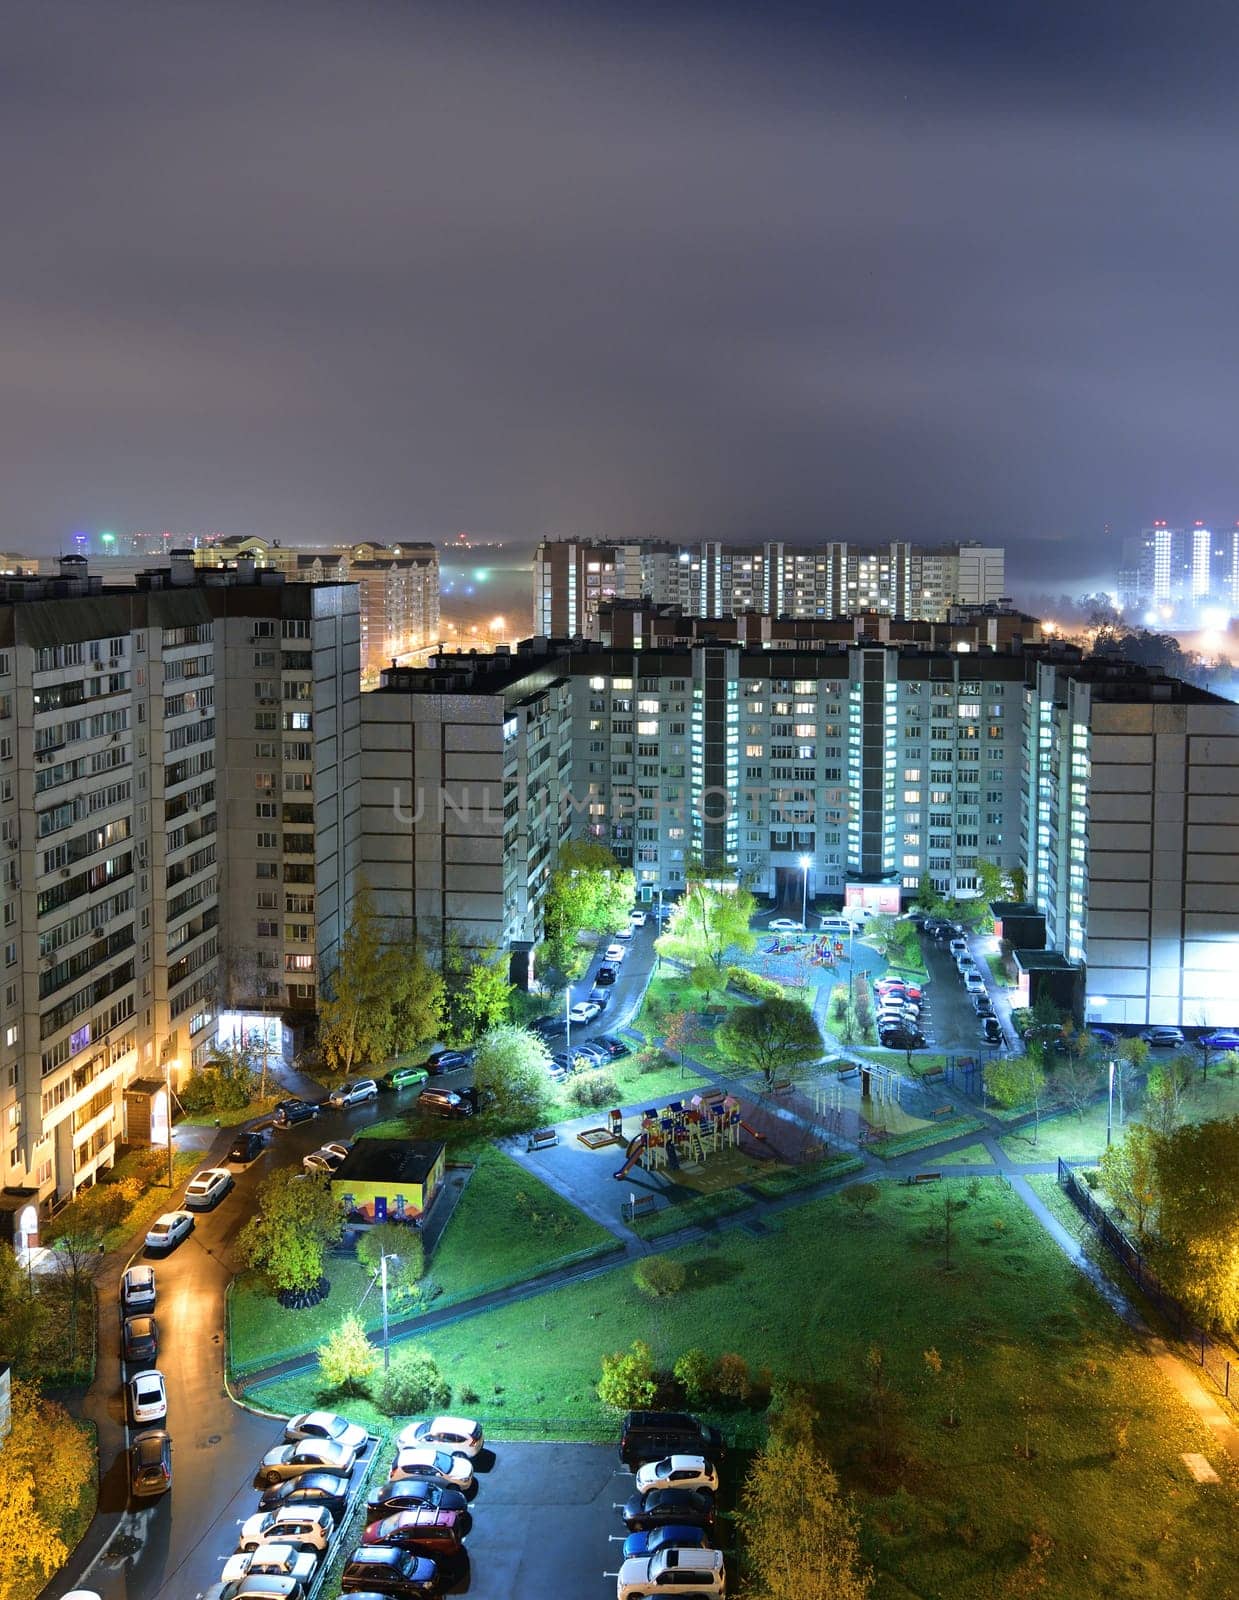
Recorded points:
(1213,1358)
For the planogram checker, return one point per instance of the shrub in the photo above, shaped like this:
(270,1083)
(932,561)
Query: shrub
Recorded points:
(347,1359)
(593,1089)
(628,1378)
(839,1002)
(658,1276)
(753,984)
(413,1383)
(398,1239)
(651,1060)
(694,1372)
(731,1378)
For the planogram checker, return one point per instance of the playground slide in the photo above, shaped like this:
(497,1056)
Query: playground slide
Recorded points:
(635,1147)
(752,1132)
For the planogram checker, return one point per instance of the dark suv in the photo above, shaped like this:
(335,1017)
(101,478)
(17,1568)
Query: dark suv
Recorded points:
(290,1111)
(648,1435)
(246,1147)
(445,1103)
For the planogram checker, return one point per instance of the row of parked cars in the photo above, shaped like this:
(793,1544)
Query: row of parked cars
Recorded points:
(974,987)
(670,1516)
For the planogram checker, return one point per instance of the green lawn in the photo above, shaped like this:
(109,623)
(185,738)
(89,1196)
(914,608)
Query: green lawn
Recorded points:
(155,1201)
(697,1208)
(944,1510)
(230,1118)
(492,1239)
(902,1144)
(998,972)
(923,1061)
(633,1086)
(972,1155)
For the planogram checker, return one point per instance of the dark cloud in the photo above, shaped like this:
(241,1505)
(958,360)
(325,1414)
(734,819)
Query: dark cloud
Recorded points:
(388,269)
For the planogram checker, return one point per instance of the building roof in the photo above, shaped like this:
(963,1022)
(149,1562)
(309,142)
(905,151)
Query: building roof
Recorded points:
(389,1161)
(1044,961)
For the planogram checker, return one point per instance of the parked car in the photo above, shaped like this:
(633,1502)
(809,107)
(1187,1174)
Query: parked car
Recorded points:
(246,1147)
(675,1571)
(444,1103)
(325,1425)
(614,954)
(626,932)
(428,1531)
(290,1112)
(965,964)
(1107,1037)
(258,1586)
(901,1038)
(207,1188)
(958,946)
(974,983)
(982,1004)
(650,1435)
(584,1011)
(404,1078)
(325,1160)
(307,1455)
(637,918)
(449,1060)
(137,1289)
(549,1026)
(1219,1039)
(354,1093)
(677,1472)
(460,1436)
(671,1534)
(412,1494)
(438,1465)
(169,1230)
(991,1030)
(785,925)
(305,1526)
(600,998)
(383,1569)
(1164,1038)
(139,1339)
(595,1054)
(148,1397)
(605,976)
(150,1462)
(692,1506)
(325,1489)
(270,1559)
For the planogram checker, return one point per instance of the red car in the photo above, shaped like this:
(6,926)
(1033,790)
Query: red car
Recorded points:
(428,1531)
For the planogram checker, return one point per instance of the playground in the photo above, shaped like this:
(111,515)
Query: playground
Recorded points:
(810,961)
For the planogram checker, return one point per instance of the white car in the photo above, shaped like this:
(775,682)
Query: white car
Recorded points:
(958,947)
(437,1465)
(615,953)
(584,1011)
(207,1188)
(148,1397)
(325,1425)
(137,1290)
(169,1229)
(307,1455)
(354,1093)
(974,983)
(270,1560)
(677,1472)
(672,1571)
(786,925)
(310,1527)
(637,918)
(459,1436)
(324,1160)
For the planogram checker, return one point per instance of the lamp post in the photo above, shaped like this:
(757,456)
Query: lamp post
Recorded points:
(167,1096)
(805,863)
(383,1260)
(1110,1103)
(568,1018)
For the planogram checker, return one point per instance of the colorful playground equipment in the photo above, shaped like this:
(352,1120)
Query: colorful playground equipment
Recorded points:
(823,951)
(681,1135)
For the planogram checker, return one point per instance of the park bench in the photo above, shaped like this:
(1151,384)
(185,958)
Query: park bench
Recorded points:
(935,1075)
(942,1111)
(543,1139)
(639,1207)
(782,1086)
(848,1074)
(922,1177)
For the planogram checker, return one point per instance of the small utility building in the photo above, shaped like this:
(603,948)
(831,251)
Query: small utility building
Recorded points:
(389,1180)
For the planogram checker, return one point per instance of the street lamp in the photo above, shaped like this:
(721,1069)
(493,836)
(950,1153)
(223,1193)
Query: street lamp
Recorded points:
(805,863)
(383,1260)
(568,1018)
(1110,1104)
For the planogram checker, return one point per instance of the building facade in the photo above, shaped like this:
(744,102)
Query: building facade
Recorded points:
(573,578)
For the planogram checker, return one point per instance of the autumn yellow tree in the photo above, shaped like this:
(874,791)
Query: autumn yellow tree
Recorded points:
(804,1544)
(45,1467)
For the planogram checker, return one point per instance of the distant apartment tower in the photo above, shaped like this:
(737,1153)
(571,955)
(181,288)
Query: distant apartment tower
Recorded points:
(1132,838)
(572,578)
(119,891)
(398,587)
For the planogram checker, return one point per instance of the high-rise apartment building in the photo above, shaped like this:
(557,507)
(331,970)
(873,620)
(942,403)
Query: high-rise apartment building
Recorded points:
(1132,838)
(574,578)
(117,708)
(398,587)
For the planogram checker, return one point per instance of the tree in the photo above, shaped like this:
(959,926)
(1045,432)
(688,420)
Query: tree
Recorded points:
(416,996)
(681,1033)
(708,921)
(346,1358)
(1163,1095)
(1130,1061)
(860,1196)
(45,1466)
(1196,1180)
(1076,1079)
(228,1080)
(405,1252)
(354,1014)
(628,1378)
(994,882)
(928,899)
(659,1276)
(774,1036)
(484,998)
(512,1064)
(589,889)
(21,1312)
(694,1372)
(1017,1081)
(1129,1173)
(287,1238)
(77,1255)
(805,1544)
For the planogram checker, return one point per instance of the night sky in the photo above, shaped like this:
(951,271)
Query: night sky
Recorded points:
(377,269)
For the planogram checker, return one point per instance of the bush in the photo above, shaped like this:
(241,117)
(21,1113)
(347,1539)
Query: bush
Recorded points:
(839,1002)
(658,1276)
(628,1378)
(653,1060)
(731,1378)
(593,1089)
(754,985)
(413,1383)
(694,1372)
